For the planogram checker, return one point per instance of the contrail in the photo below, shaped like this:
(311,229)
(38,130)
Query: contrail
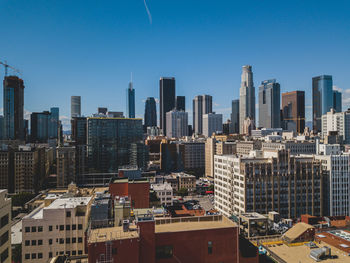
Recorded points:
(148,12)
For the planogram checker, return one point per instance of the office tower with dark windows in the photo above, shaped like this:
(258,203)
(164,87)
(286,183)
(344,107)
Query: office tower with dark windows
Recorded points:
(54,123)
(102,110)
(75,106)
(322,99)
(167,100)
(337,100)
(269,104)
(180,103)
(131,101)
(246,97)
(78,128)
(109,142)
(234,125)
(293,111)
(150,113)
(44,125)
(176,124)
(13,108)
(202,104)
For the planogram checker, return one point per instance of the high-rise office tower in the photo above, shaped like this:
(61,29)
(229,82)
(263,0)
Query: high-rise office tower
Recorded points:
(235,117)
(293,111)
(176,124)
(269,104)
(44,125)
(180,103)
(322,99)
(212,122)
(75,106)
(167,99)
(13,108)
(54,122)
(337,101)
(202,104)
(150,112)
(131,101)
(246,97)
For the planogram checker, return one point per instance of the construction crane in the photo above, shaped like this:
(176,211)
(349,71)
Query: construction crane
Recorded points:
(8,66)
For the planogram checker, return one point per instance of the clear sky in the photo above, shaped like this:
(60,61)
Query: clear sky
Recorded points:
(89,48)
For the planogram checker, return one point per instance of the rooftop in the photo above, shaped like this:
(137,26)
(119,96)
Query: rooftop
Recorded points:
(192,223)
(336,238)
(160,187)
(112,233)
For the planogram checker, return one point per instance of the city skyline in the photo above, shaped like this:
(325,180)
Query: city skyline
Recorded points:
(61,64)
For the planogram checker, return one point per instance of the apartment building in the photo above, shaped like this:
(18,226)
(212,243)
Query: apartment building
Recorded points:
(245,147)
(5,227)
(337,121)
(164,192)
(295,147)
(56,228)
(283,183)
(185,181)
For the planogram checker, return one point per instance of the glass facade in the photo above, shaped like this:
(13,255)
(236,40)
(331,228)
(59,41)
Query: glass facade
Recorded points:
(337,101)
(131,101)
(269,104)
(150,112)
(167,99)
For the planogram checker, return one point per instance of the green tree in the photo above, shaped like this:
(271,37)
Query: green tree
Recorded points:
(183,192)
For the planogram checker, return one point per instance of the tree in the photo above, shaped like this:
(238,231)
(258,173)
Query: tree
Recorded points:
(183,192)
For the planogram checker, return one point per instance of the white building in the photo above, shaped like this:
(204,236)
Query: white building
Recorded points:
(176,124)
(338,182)
(164,192)
(337,121)
(55,228)
(212,122)
(5,227)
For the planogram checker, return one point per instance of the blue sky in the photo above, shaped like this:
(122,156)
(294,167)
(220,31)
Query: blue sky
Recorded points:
(89,48)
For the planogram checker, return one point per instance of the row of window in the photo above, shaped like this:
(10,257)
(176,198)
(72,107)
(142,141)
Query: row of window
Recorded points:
(4,220)
(58,241)
(40,255)
(60,227)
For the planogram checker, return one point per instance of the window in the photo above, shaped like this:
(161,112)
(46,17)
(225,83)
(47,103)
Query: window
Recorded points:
(164,252)
(4,255)
(40,229)
(67,227)
(50,254)
(80,252)
(27,256)
(74,253)
(40,242)
(4,221)
(68,253)
(40,255)
(33,256)
(33,228)
(114,250)
(4,238)
(27,243)
(74,227)
(61,252)
(50,228)
(67,240)
(68,214)
(210,247)
(61,240)
(74,240)
(27,229)
(50,241)
(61,227)
(80,240)
(33,242)
(80,227)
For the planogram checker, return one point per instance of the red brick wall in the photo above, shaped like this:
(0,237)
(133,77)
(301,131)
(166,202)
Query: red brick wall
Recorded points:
(139,193)
(192,246)
(147,242)
(127,251)
(118,189)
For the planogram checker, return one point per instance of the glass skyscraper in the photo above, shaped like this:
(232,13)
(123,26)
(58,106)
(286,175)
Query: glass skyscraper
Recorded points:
(202,104)
(269,104)
(337,101)
(234,125)
(167,99)
(180,103)
(75,104)
(322,99)
(150,112)
(109,142)
(131,101)
(13,128)
(44,125)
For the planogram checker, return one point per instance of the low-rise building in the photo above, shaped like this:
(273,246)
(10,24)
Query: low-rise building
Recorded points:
(164,192)
(186,181)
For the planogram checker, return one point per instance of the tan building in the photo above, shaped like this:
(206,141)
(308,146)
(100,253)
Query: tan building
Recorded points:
(5,227)
(55,228)
(66,172)
(185,181)
(6,165)
(245,147)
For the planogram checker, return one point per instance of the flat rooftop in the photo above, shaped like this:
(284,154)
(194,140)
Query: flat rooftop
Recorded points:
(253,216)
(336,238)
(192,223)
(112,233)
(297,254)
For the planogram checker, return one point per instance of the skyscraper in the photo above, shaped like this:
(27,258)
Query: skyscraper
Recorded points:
(167,99)
(177,124)
(13,108)
(54,122)
(246,97)
(293,110)
(269,104)
(235,117)
(337,100)
(75,106)
(212,122)
(180,103)
(202,104)
(150,112)
(131,101)
(322,99)
(44,125)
